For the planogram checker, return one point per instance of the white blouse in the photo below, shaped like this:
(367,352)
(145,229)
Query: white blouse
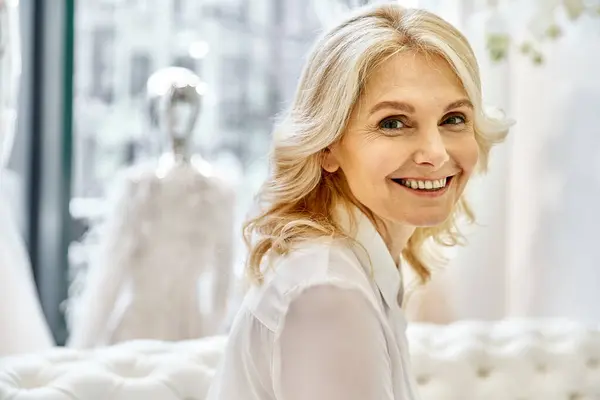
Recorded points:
(325,325)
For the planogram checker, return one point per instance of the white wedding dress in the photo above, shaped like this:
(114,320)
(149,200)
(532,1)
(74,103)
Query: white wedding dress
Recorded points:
(23,328)
(162,266)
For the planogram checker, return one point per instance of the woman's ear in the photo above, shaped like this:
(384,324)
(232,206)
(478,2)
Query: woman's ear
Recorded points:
(330,162)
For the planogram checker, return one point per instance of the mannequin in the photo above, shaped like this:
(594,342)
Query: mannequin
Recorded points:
(162,267)
(23,328)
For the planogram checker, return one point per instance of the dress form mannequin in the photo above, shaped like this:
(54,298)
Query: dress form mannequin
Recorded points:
(169,233)
(23,327)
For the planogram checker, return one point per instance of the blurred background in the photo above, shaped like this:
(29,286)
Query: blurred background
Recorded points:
(83,117)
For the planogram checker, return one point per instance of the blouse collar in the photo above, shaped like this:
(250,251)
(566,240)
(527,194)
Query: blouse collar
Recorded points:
(372,253)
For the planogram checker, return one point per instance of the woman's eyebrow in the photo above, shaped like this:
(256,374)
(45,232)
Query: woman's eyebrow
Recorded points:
(458,104)
(406,107)
(396,105)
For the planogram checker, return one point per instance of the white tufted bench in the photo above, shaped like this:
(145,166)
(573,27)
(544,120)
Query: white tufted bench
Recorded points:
(510,360)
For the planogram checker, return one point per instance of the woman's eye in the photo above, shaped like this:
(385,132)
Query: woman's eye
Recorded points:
(391,123)
(455,120)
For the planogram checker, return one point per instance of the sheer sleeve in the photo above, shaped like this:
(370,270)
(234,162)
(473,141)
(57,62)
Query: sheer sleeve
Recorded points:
(224,261)
(107,271)
(332,347)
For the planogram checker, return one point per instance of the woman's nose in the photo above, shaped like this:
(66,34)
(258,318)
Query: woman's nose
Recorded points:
(431,149)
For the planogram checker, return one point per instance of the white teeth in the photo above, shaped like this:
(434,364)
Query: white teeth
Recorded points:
(428,185)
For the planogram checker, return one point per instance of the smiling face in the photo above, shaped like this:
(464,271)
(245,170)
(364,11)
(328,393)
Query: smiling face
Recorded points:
(409,147)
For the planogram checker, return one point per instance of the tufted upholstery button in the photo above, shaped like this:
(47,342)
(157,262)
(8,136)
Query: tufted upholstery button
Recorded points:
(483,372)
(422,380)
(593,363)
(541,368)
(575,396)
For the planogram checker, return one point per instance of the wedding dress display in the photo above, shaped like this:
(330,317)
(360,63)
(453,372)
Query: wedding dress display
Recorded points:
(162,267)
(23,327)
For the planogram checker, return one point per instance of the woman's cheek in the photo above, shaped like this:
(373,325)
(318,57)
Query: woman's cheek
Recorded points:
(466,153)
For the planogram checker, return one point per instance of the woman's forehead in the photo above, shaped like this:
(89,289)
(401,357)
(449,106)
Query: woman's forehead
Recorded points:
(410,74)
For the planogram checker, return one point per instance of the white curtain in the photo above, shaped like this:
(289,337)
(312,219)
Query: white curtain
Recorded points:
(554,191)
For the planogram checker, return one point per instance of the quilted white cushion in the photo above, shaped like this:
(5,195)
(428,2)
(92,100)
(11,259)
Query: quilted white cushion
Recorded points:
(510,360)
(516,360)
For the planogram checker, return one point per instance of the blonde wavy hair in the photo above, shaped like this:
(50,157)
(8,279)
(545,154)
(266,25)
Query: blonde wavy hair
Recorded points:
(299,197)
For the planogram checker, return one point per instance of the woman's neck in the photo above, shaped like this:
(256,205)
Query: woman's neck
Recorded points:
(396,237)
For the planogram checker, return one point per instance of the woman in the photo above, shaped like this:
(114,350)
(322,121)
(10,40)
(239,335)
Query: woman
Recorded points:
(369,163)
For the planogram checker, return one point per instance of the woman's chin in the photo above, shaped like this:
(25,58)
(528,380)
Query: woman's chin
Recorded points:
(426,219)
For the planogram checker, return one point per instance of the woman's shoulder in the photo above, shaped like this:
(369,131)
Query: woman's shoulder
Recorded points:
(311,263)
(314,260)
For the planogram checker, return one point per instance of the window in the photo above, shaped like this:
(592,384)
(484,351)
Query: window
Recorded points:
(101,63)
(141,68)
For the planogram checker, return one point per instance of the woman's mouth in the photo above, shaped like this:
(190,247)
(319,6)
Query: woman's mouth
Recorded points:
(425,185)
